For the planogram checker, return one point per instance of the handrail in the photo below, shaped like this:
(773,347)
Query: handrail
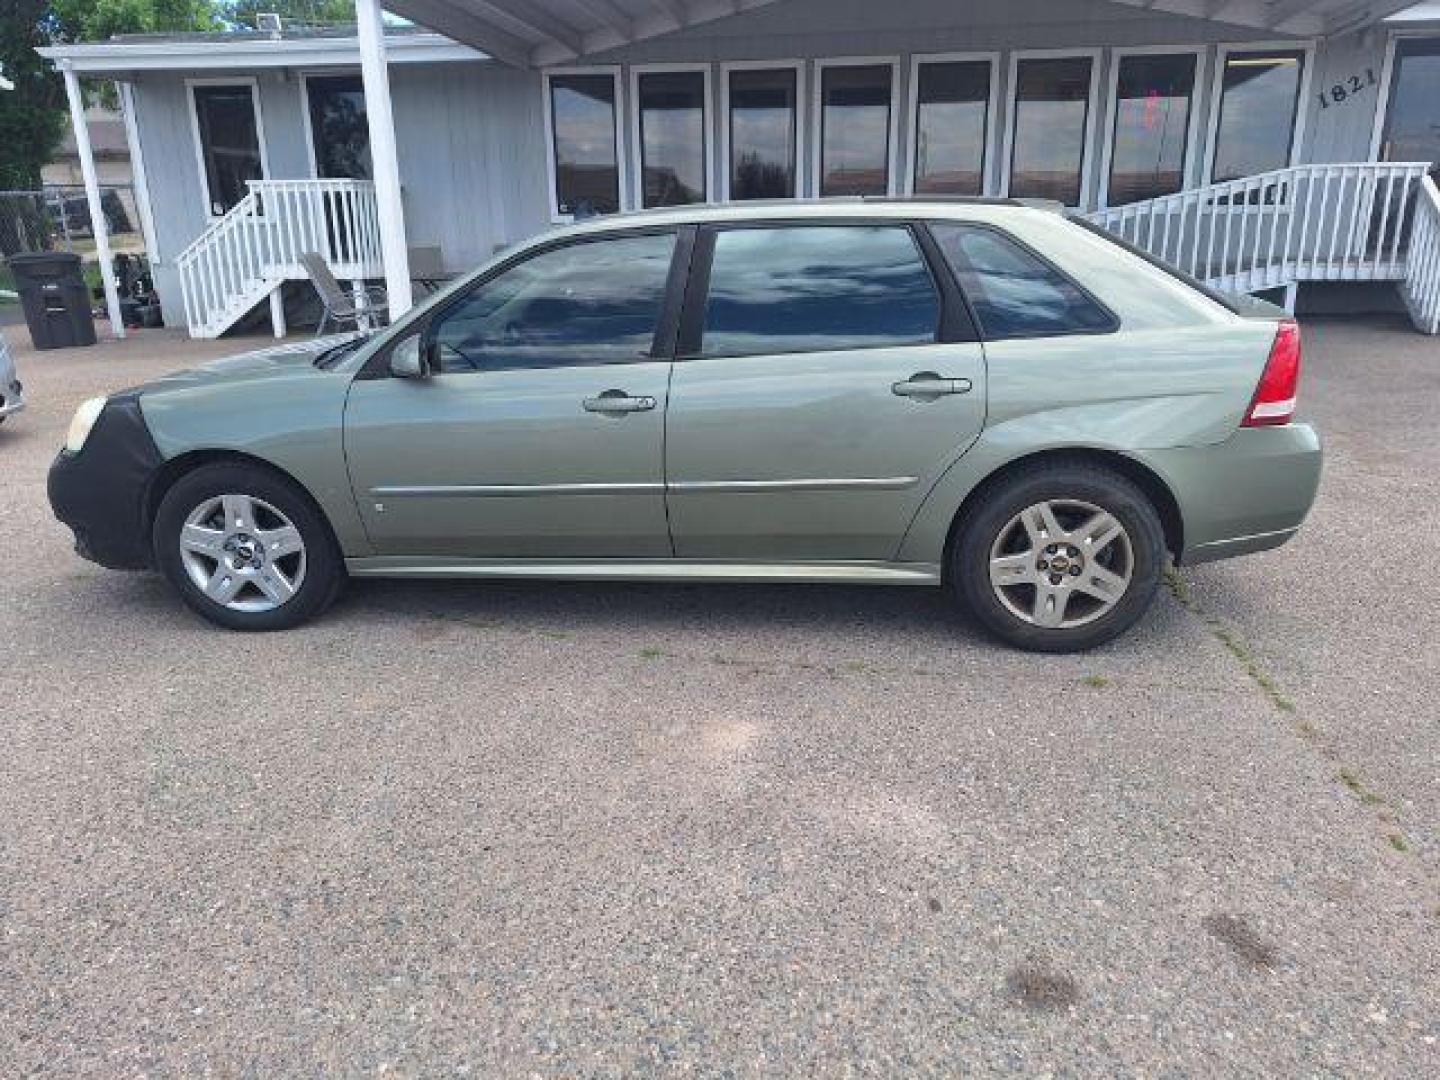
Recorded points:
(1422,281)
(257,244)
(1320,222)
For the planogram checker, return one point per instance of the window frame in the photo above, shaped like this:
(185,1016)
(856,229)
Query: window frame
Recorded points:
(1096,57)
(801,125)
(305,79)
(552,170)
(1217,90)
(1114,326)
(1188,171)
(253,83)
(817,109)
(637,145)
(988,174)
(954,322)
(662,347)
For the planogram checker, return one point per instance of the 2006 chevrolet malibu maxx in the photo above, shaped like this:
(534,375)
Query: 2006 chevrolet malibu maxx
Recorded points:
(983,395)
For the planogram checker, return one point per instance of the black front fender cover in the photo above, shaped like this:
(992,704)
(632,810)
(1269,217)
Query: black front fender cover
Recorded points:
(100,493)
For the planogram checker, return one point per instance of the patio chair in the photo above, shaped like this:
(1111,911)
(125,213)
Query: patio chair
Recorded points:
(340,306)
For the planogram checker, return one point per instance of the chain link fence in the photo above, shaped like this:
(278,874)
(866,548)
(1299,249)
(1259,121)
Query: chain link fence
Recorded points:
(57,218)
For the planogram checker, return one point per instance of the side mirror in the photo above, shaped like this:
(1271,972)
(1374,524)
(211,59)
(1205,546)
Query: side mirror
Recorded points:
(406,361)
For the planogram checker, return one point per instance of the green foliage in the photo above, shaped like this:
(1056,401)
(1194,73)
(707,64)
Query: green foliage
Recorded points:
(241,13)
(31,119)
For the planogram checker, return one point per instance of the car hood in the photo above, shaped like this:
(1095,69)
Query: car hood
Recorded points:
(278,361)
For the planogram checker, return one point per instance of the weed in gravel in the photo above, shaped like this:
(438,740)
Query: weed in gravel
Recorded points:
(1099,682)
(652,653)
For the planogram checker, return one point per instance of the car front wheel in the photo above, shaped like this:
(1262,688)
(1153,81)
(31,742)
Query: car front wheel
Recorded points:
(1059,558)
(245,548)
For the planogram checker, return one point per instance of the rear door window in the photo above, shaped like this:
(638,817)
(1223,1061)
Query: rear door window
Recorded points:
(814,288)
(1015,293)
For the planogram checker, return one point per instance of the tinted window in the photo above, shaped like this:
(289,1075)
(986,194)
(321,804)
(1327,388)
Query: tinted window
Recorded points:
(762,134)
(808,289)
(229,142)
(1258,97)
(952,101)
(672,136)
(589,303)
(1152,121)
(1013,292)
(587,178)
(855,130)
(1052,103)
(338,126)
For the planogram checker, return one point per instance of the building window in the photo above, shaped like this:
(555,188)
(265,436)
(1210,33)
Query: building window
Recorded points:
(952,127)
(855,118)
(1259,101)
(817,289)
(584,137)
(339,133)
(763,126)
(1050,118)
(1154,97)
(1412,120)
(673,116)
(227,127)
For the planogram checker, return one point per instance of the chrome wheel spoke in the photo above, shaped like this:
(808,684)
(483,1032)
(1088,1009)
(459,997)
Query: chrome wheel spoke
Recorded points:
(203,540)
(274,584)
(277,543)
(1009,570)
(1102,584)
(224,584)
(1041,525)
(1049,607)
(1097,533)
(239,513)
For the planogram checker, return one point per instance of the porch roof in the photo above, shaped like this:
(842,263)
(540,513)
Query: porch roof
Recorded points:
(249,50)
(533,33)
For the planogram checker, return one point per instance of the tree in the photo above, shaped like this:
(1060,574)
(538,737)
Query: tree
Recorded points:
(32,115)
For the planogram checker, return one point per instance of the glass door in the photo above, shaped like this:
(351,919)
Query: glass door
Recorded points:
(1412,119)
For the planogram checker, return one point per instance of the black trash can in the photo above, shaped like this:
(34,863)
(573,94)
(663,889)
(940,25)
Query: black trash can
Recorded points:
(56,302)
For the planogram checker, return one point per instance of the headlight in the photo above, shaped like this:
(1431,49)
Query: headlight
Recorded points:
(85,417)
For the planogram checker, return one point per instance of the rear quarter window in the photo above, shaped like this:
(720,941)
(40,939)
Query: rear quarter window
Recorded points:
(1013,292)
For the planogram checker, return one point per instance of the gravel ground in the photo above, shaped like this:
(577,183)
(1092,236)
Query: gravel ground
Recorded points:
(604,829)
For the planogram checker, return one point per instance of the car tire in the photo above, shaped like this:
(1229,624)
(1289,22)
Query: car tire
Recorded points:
(1066,580)
(246,548)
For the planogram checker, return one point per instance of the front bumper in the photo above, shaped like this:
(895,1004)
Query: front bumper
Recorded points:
(12,398)
(1247,494)
(100,493)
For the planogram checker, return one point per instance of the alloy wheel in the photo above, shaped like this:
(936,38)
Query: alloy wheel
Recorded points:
(1061,563)
(242,553)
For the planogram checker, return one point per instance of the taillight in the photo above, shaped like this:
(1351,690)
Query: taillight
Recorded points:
(1274,401)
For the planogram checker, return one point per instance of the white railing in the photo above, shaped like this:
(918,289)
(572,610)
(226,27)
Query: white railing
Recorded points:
(1422,279)
(256,246)
(1350,222)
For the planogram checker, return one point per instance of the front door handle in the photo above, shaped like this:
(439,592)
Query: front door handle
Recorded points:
(617,401)
(927,385)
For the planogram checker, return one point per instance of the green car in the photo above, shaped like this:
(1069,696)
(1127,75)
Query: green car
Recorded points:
(982,395)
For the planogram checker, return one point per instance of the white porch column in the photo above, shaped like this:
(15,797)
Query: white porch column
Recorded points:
(92,196)
(370,30)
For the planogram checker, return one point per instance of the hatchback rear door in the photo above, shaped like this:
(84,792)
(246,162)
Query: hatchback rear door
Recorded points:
(826,376)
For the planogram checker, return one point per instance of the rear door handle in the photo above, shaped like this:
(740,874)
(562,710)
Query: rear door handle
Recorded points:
(927,384)
(617,401)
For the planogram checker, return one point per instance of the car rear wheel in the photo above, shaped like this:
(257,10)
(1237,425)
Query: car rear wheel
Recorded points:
(245,548)
(1059,558)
